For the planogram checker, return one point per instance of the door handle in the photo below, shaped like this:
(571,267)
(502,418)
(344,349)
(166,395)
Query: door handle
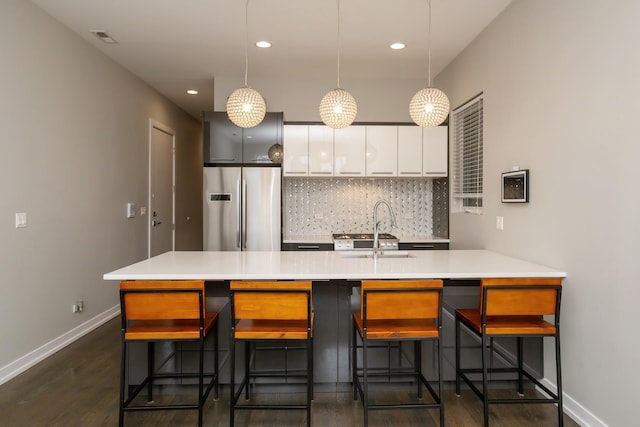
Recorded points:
(155,223)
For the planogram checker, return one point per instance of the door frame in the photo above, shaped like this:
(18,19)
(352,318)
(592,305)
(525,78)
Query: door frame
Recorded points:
(163,128)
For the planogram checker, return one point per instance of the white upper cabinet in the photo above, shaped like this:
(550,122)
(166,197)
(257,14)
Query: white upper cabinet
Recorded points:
(320,151)
(349,151)
(382,151)
(296,150)
(409,151)
(434,151)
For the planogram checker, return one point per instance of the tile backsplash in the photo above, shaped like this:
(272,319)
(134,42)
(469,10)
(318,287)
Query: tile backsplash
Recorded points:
(321,206)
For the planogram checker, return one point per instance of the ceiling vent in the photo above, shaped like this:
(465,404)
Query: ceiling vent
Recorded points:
(104,36)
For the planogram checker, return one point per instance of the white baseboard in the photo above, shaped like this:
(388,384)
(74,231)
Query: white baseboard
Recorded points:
(20,365)
(575,410)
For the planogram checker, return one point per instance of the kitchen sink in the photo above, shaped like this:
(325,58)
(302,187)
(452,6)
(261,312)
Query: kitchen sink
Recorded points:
(369,254)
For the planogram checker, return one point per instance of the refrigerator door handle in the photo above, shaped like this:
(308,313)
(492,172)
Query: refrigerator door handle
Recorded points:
(244,214)
(239,216)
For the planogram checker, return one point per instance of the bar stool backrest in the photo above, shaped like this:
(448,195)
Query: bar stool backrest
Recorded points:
(400,299)
(271,300)
(162,299)
(520,297)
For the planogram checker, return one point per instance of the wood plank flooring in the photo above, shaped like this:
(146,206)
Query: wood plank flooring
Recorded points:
(78,386)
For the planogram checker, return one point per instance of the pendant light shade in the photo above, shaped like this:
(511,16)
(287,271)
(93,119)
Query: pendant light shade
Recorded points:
(429,107)
(245,106)
(338,109)
(275,153)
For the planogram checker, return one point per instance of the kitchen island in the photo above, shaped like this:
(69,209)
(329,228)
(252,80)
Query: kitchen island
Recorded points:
(336,277)
(329,265)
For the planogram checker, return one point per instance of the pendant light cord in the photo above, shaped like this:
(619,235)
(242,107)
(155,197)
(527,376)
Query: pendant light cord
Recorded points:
(338,43)
(246,41)
(428,45)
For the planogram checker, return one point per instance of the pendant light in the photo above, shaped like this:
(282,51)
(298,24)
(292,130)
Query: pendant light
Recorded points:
(275,153)
(245,106)
(429,106)
(338,107)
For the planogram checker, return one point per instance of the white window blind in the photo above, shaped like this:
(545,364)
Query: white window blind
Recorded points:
(467,157)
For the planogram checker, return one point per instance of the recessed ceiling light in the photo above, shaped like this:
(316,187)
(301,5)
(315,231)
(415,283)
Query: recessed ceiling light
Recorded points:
(192,92)
(263,44)
(396,46)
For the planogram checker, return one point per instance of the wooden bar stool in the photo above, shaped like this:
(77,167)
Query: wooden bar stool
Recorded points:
(398,310)
(162,311)
(270,311)
(512,308)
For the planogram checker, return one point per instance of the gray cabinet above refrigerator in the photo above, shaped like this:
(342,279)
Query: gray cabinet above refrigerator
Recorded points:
(224,142)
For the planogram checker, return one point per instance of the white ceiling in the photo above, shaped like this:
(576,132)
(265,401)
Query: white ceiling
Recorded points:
(175,45)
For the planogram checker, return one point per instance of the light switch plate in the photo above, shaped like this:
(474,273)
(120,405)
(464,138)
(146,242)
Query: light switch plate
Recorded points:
(21,219)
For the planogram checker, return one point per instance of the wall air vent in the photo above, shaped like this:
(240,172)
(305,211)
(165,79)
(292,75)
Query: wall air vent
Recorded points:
(104,36)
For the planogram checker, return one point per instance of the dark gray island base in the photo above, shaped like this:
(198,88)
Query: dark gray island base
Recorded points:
(334,302)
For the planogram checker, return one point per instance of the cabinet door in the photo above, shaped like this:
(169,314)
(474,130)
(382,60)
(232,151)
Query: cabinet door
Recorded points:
(222,140)
(382,151)
(409,151)
(434,150)
(258,139)
(349,149)
(296,150)
(320,151)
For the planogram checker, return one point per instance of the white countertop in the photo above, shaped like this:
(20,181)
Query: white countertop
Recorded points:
(319,265)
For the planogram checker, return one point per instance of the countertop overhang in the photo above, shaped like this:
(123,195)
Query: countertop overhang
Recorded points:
(328,265)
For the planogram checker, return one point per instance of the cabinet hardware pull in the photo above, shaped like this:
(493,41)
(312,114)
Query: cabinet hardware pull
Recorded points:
(423,246)
(382,173)
(410,173)
(308,247)
(320,173)
(350,173)
(222,160)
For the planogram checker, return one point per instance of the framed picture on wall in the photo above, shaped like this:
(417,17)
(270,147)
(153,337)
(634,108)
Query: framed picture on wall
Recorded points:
(515,186)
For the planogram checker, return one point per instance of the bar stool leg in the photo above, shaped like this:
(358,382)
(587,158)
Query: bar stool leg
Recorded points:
(200,382)
(440,379)
(520,367)
(354,361)
(457,357)
(485,382)
(559,378)
(232,385)
(417,354)
(150,366)
(123,372)
(247,362)
(365,382)
(216,361)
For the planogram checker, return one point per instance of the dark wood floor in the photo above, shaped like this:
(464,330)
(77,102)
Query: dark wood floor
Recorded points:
(78,386)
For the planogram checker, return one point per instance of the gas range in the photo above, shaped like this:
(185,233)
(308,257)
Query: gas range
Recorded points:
(363,241)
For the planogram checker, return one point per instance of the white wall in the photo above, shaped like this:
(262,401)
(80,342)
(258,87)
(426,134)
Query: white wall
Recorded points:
(560,83)
(73,151)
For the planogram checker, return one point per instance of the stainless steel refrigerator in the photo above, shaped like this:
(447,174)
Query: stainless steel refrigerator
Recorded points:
(242,208)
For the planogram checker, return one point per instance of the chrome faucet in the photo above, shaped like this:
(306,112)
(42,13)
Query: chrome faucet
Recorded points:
(376,224)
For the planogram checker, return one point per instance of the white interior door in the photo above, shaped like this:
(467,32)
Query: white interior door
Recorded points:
(161,189)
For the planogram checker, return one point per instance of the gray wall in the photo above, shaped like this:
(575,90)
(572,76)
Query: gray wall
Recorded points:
(73,152)
(560,80)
